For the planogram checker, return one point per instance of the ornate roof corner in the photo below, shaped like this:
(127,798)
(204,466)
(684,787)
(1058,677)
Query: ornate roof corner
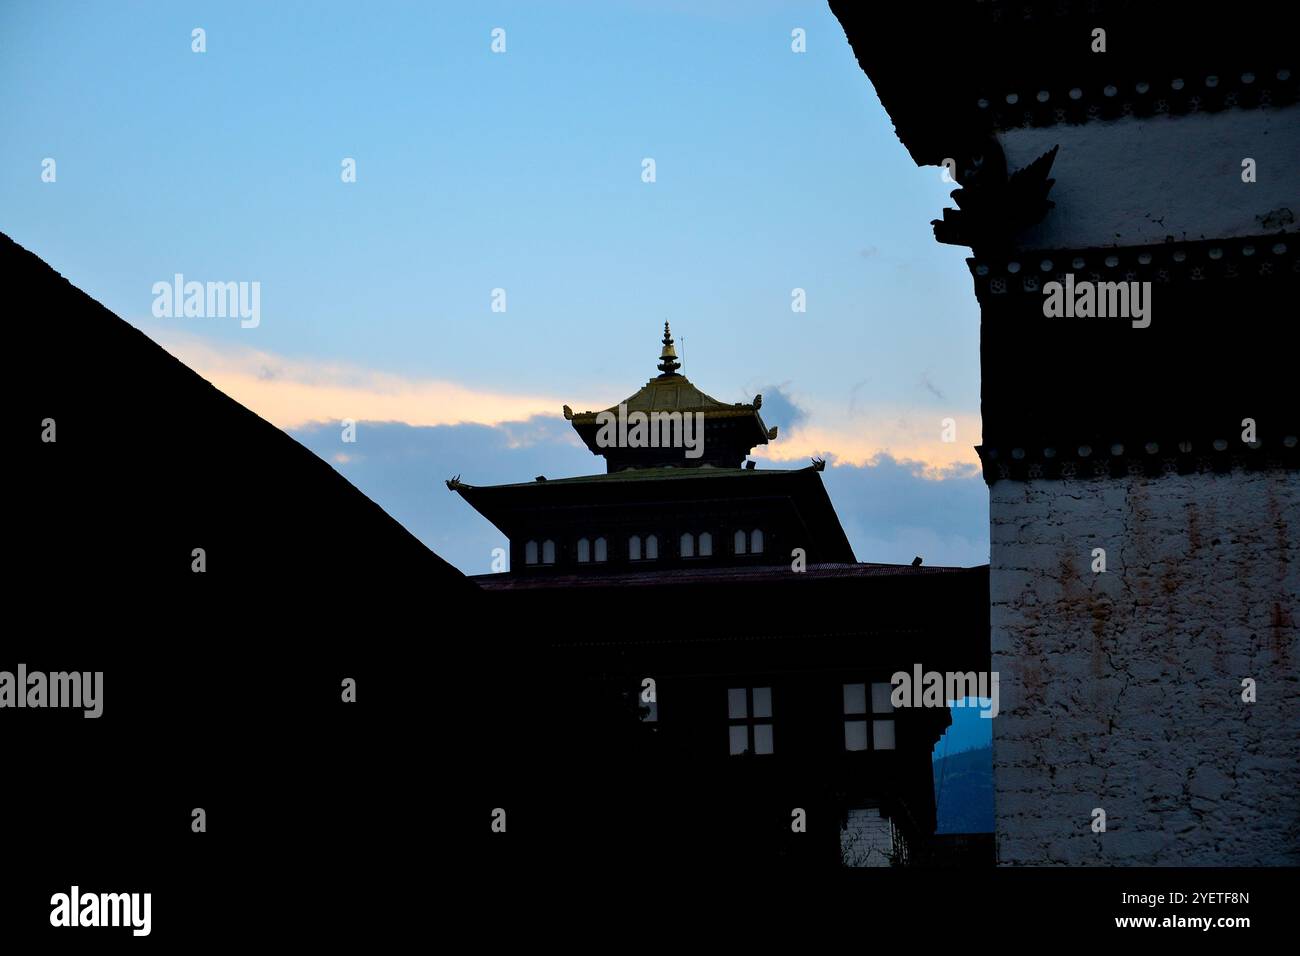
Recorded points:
(819,464)
(758,401)
(568,413)
(454,484)
(992,206)
(771,432)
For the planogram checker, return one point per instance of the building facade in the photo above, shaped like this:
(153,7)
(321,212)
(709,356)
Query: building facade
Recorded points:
(1128,189)
(705,664)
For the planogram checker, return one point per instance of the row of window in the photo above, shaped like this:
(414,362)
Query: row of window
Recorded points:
(750,722)
(645,548)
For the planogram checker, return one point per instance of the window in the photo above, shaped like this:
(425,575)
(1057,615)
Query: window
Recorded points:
(855,717)
(855,703)
(584,550)
(882,731)
(756,541)
(883,734)
(530,552)
(646,549)
(548,551)
(740,542)
(749,719)
(693,547)
(602,550)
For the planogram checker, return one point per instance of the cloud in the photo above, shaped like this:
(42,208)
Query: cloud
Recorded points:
(780,410)
(861,434)
(893,510)
(890,510)
(930,387)
(899,490)
(293,393)
(403,468)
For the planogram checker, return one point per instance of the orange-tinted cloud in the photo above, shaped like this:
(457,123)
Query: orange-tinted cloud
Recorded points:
(909,435)
(293,393)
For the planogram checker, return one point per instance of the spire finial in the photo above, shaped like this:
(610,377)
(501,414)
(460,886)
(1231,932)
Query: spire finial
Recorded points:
(668,364)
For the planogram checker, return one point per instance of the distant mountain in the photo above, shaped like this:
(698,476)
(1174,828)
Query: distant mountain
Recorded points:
(963,787)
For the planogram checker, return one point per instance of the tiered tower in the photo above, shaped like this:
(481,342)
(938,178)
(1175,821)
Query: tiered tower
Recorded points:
(1139,441)
(664,502)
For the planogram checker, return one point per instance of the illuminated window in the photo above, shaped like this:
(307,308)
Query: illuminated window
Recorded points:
(530,552)
(706,545)
(882,731)
(855,706)
(688,545)
(548,551)
(584,550)
(756,541)
(652,547)
(749,719)
(634,548)
(740,539)
(602,550)
(856,721)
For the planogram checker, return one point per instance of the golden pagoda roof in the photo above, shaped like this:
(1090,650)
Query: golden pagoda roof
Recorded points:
(671,391)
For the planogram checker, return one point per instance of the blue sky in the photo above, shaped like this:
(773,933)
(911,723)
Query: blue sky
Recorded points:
(968,730)
(522,171)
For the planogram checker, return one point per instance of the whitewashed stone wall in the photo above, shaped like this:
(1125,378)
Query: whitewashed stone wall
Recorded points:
(868,839)
(1134,182)
(1122,690)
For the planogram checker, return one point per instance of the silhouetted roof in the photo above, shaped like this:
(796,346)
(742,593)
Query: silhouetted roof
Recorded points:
(151,461)
(703,472)
(947,70)
(715,575)
(511,507)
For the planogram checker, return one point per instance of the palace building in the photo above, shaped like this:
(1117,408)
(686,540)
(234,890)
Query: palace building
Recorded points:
(660,507)
(695,657)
